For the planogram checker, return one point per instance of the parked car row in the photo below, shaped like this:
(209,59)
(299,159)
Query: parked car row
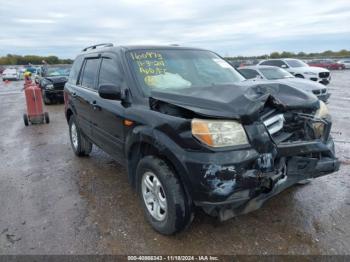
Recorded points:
(330,64)
(51,79)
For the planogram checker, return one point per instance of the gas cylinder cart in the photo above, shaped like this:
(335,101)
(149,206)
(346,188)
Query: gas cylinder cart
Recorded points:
(35,107)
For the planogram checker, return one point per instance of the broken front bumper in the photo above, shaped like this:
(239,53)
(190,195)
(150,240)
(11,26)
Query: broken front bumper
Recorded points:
(244,185)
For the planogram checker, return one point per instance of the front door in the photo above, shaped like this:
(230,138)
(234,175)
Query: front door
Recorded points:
(107,126)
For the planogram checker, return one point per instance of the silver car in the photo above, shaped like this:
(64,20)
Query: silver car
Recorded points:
(278,74)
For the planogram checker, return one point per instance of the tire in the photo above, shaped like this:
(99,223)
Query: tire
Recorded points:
(299,76)
(47,118)
(47,101)
(177,212)
(80,145)
(25,119)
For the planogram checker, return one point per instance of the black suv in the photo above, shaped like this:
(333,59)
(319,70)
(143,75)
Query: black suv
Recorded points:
(52,83)
(192,132)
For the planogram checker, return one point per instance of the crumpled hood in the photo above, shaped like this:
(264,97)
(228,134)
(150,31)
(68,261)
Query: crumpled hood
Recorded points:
(56,79)
(241,101)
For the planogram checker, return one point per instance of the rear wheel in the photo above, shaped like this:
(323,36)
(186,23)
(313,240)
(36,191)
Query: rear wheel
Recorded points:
(25,119)
(80,145)
(162,196)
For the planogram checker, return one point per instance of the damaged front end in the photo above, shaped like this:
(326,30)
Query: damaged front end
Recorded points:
(287,140)
(291,146)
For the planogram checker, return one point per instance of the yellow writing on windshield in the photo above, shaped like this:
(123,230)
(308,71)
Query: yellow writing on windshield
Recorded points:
(149,63)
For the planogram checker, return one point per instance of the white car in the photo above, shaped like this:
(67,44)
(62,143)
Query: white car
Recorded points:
(276,74)
(345,62)
(10,74)
(300,69)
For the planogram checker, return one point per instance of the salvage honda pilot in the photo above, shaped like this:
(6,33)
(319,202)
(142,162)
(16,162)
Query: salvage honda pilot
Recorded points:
(192,132)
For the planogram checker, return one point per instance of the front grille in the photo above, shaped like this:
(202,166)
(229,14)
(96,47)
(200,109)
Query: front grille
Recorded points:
(274,123)
(291,126)
(320,91)
(59,86)
(323,74)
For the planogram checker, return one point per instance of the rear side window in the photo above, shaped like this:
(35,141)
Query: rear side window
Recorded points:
(109,72)
(74,72)
(278,63)
(249,73)
(90,73)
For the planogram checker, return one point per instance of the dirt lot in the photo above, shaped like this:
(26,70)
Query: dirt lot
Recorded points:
(55,203)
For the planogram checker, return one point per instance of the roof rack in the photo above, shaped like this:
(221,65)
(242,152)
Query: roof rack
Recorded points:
(99,45)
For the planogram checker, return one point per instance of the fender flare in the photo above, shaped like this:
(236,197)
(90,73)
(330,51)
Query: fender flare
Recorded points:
(165,146)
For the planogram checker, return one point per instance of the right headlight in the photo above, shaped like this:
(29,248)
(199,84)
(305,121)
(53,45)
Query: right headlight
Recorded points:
(219,133)
(319,127)
(322,112)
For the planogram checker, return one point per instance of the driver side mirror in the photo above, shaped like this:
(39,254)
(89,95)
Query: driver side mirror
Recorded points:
(110,91)
(284,66)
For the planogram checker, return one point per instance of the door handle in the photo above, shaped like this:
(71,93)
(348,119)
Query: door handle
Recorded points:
(94,105)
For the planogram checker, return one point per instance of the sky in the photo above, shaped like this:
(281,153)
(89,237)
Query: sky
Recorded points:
(228,27)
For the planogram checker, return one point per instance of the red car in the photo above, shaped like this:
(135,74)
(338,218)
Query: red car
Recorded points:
(329,64)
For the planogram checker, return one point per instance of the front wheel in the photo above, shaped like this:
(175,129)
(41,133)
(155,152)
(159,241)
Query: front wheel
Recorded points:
(47,101)
(80,145)
(164,201)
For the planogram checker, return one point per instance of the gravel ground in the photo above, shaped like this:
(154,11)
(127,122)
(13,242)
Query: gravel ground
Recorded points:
(55,203)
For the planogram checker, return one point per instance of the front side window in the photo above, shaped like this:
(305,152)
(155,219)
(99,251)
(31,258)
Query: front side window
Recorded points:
(278,63)
(74,72)
(177,71)
(90,73)
(109,72)
(274,73)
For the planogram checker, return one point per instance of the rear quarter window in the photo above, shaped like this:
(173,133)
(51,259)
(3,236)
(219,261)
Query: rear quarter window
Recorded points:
(74,72)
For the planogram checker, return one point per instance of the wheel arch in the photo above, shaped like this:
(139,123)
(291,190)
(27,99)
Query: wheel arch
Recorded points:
(69,113)
(145,142)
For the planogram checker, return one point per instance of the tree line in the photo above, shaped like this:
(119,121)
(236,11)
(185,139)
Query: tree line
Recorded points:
(32,59)
(302,55)
(11,59)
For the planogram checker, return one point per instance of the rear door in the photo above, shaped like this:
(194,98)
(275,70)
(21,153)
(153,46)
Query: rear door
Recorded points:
(85,93)
(108,129)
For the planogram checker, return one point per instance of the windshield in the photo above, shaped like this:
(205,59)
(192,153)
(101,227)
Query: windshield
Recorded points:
(178,70)
(296,63)
(275,73)
(57,71)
